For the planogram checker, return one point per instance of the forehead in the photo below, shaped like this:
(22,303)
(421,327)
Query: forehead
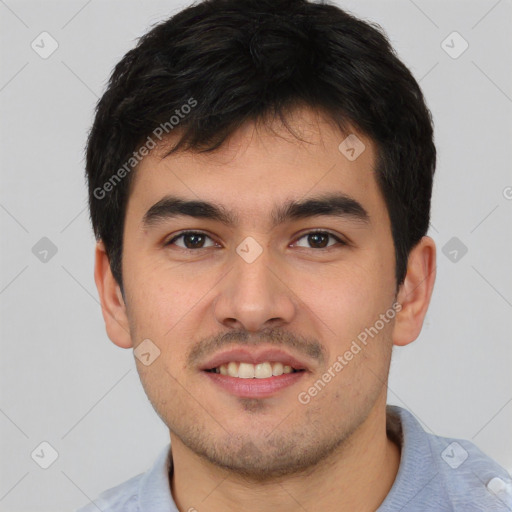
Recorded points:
(262,166)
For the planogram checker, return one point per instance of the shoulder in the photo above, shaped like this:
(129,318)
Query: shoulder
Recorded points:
(121,498)
(470,477)
(452,473)
(149,491)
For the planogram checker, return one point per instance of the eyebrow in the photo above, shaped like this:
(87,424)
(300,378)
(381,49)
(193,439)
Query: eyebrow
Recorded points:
(337,205)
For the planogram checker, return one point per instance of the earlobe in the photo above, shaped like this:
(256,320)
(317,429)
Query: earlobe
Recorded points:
(112,303)
(415,292)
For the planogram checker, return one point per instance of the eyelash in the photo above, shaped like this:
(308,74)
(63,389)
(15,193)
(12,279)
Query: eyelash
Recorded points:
(184,233)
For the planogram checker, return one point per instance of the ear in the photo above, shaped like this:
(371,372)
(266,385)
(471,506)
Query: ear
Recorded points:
(415,292)
(112,302)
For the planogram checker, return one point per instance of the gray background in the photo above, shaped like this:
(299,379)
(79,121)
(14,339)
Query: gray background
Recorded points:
(62,380)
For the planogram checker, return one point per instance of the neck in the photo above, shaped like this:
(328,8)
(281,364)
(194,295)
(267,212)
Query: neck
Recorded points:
(357,476)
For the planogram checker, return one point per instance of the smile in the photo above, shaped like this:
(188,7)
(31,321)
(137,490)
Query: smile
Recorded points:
(253,371)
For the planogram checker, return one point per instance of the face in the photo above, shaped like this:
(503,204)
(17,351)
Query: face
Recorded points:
(301,285)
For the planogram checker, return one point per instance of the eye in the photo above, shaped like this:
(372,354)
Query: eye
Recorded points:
(319,239)
(191,240)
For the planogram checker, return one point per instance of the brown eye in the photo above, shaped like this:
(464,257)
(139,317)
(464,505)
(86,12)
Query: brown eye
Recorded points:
(319,239)
(190,240)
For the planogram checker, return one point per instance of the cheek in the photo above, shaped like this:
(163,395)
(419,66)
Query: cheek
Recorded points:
(345,296)
(347,303)
(160,296)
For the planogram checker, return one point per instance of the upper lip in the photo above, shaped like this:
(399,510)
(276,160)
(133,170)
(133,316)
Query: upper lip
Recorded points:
(244,355)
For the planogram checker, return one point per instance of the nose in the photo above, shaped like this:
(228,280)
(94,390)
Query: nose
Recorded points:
(254,295)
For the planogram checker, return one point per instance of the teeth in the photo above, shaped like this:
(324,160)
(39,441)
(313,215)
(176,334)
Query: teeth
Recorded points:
(251,371)
(246,371)
(232,369)
(277,369)
(263,371)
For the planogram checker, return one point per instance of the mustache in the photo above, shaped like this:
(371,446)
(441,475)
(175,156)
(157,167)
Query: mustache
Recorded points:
(275,337)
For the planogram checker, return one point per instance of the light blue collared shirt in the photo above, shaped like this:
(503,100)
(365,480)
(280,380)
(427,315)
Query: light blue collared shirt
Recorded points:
(436,474)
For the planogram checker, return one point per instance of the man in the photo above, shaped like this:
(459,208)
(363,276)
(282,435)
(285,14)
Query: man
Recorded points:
(260,175)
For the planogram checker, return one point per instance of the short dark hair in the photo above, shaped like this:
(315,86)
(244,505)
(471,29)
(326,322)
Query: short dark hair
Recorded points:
(235,61)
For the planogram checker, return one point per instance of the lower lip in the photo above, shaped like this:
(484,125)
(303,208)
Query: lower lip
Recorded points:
(255,388)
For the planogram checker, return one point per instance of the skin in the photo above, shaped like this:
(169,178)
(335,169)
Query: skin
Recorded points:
(235,454)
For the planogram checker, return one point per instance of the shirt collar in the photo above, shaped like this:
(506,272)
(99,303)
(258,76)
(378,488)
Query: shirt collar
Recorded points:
(415,447)
(155,487)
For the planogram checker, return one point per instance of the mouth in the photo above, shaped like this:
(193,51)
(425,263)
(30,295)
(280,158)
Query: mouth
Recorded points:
(250,375)
(263,370)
